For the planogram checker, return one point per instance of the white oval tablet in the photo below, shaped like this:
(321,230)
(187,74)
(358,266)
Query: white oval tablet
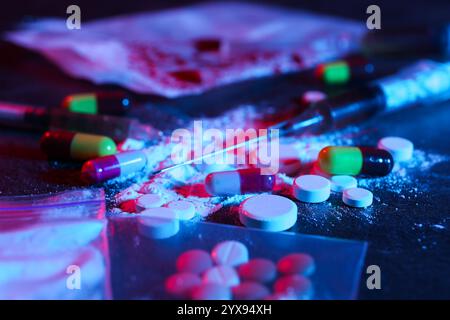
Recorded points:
(184,209)
(357,197)
(400,149)
(340,183)
(223,275)
(268,212)
(147,201)
(158,223)
(312,188)
(313,96)
(230,253)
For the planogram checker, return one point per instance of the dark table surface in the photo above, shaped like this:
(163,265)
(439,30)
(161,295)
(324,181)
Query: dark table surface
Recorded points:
(406,228)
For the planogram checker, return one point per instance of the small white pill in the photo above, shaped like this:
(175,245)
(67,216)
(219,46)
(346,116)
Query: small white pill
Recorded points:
(340,183)
(184,209)
(400,149)
(147,201)
(268,212)
(357,197)
(158,223)
(230,253)
(312,188)
(223,275)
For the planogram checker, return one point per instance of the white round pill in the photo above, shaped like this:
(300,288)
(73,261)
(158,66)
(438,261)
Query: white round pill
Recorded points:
(340,183)
(147,201)
(400,149)
(357,197)
(312,188)
(313,96)
(158,223)
(268,212)
(223,275)
(230,253)
(184,209)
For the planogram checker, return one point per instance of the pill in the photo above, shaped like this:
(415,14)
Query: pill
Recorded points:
(297,263)
(114,103)
(297,285)
(312,96)
(250,291)
(224,275)
(268,212)
(357,197)
(226,183)
(342,182)
(180,284)
(355,160)
(400,149)
(158,223)
(147,201)
(210,291)
(342,71)
(281,296)
(194,261)
(230,253)
(184,209)
(259,270)
(311,188)
(77,146)
(109,167)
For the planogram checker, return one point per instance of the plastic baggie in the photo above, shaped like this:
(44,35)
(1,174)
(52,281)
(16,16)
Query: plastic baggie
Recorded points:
(54,246)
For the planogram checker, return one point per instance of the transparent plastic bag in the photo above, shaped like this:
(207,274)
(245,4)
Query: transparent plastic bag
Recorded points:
(54,246)
(141,265)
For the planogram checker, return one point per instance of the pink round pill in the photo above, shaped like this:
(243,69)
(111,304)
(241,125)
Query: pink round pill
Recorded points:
(259,270)
(194,261)
(297,285)
(297,263)
(180,284)
(210,291)
(250,291)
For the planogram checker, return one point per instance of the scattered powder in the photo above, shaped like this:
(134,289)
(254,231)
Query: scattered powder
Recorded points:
(187,182)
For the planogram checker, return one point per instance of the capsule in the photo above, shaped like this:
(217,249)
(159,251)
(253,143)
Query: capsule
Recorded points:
(342,71)
(355,160)
(109,167)
(113,103)
(76,146)
(227,183)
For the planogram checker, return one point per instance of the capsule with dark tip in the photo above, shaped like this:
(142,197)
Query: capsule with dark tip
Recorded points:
(69,145)
(355,160)
(121,164)
(228,183)
(112,103)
